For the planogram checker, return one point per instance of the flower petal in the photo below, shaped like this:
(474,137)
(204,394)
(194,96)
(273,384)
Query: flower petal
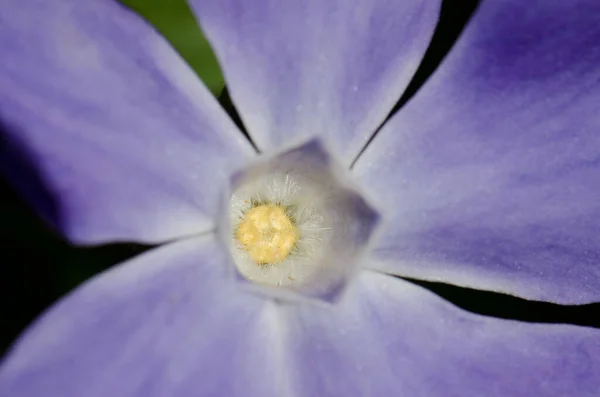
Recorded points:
(168,323)
(333,68)
(491,173)
(392,338)
(121,132)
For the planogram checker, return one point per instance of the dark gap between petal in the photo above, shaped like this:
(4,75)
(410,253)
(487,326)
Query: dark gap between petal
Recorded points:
(453,19)
(227,104)
(512,308)
(38,266)
(23,274)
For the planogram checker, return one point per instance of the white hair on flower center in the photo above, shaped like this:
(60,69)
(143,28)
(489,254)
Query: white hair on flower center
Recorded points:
(282,207)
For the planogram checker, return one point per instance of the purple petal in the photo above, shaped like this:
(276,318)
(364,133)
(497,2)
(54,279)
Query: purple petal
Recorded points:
(168,323)
(491,174)
(392,338)
(112,122)
(302,68)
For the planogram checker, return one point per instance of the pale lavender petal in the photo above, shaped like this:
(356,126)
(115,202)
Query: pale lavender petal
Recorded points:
(392,338)
(126,139)
(491,174)
(314,67)
(169,323)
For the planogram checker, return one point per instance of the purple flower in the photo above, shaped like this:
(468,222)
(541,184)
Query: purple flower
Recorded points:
(489,178)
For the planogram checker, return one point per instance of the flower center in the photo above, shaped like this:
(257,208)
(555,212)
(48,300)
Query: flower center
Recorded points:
(295,225)
(267,233)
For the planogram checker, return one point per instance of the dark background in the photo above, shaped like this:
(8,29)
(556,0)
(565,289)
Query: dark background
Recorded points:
(38,266)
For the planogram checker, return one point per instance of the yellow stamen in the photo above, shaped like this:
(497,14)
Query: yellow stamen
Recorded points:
(267,233)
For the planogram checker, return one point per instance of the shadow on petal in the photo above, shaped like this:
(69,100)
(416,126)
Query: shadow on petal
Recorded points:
(18,166)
